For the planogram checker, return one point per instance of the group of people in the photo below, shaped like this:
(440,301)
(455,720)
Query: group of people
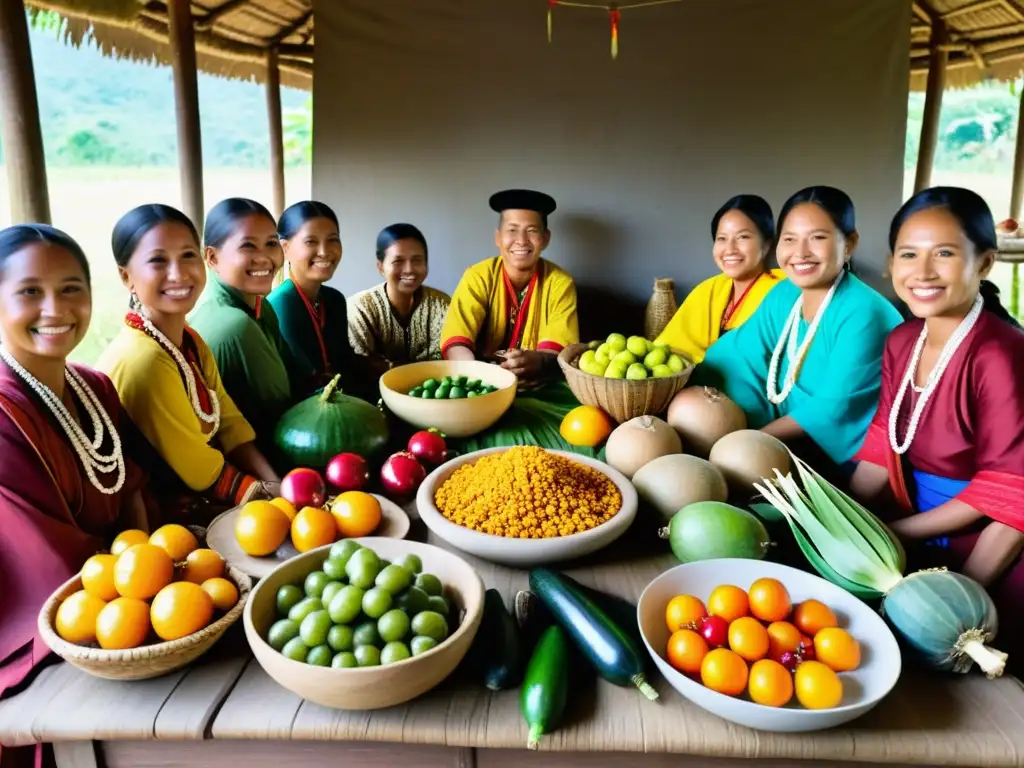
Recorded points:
(923,418)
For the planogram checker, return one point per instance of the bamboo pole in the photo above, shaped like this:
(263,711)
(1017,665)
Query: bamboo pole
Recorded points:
(276,130)
(937,61)
(19,120)
(186,98)
(1017,201)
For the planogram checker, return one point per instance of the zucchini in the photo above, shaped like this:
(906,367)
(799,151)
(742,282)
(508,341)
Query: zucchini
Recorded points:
(546,685)
(501,650)
(608,647)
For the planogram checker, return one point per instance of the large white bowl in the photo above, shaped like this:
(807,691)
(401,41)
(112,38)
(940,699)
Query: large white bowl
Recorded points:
(862,689)
(525,553)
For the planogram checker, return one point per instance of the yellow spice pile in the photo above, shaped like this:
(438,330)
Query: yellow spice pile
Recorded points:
(528,493)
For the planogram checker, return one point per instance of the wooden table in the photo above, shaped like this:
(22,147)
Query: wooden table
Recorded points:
(224,710)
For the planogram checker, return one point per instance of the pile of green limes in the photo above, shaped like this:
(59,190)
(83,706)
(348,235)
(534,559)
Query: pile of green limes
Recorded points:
(451,388)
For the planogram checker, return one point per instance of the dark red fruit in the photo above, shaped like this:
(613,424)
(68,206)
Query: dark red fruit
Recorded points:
(715,630)
(428,446)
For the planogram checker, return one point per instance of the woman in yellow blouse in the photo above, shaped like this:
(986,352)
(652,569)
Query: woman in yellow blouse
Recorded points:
(743,231)
(166,376)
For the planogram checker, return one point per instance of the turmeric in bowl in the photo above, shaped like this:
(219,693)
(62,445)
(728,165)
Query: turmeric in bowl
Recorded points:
(528,493)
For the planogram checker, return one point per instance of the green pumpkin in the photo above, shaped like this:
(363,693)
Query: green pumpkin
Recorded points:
(316,430)
(706,530)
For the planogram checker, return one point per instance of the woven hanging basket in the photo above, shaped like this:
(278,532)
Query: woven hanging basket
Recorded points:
(661,307)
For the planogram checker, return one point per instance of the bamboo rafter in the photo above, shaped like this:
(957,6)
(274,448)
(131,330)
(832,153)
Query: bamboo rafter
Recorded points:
(614,11)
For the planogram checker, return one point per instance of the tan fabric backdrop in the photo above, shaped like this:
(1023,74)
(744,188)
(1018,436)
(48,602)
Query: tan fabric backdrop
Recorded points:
(425,107)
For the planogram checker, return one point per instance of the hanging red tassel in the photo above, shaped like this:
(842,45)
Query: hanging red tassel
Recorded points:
(551,5)
(614,15)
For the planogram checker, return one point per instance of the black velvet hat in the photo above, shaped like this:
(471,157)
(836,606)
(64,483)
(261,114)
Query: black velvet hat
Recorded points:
(523,200)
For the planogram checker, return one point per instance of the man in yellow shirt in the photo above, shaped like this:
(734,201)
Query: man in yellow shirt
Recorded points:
(516,307)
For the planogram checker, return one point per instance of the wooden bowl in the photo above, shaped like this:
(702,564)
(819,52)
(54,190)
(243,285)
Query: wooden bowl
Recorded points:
(622,399)
(369,687)
(145,661)
(455,418)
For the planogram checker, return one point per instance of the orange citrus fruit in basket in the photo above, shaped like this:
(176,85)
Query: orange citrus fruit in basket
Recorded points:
(769,600)
(837,649)
(202,564)
(586,425)
(770,684)
(817,686)
(261,528)
(684,611)
(313,527)
(76,617)
(356,513)
(812,616)
(686,650)
(180,609)
(748,638)
(285,506)
(729,602)
(724,671)
(143,570)
(782,637)
(127,539)
(98,576)
(223,593)
(123,623)
(176,540)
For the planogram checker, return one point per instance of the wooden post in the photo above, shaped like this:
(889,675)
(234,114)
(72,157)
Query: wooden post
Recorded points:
(276,130)
(186,98)
(1017,202)
(19,120)
(932,106)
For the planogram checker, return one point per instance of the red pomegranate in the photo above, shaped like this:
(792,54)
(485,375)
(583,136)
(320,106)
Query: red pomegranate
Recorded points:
(401,474)
(304,488)
(429,446)
(348,472)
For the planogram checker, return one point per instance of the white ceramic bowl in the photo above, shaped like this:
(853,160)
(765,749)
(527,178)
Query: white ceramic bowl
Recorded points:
(862,689)
(525,553)
(456,418)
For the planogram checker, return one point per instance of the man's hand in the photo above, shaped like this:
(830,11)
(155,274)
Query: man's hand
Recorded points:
(526,363)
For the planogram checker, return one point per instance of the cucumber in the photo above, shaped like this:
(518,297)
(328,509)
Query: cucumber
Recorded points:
(501,653)
(546,685)
(608,647)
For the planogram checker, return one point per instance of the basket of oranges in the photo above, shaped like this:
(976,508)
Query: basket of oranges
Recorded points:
(150,606)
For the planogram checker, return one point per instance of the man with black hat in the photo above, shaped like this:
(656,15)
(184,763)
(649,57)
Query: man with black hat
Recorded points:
(516,307)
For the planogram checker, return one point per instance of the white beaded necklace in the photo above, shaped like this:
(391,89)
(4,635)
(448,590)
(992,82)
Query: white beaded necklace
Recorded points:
(948,350)
(788,339)
(87,450)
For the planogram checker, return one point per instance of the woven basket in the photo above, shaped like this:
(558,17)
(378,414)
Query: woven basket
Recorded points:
(661,307)
(622,399)
(148,660)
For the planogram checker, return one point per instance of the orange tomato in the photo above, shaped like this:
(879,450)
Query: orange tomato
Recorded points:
(176,539)
(127,539)
(684,611)
(770,684)
(817,686)
(729,602)
(812,616)
(123,623)
(837,649)
(686,651)
(261,528)
(313,527)
(724,671)
(180,609)
(201,565)
(748,638)
(143,570)
(285,506)
(782,637)
(769,600)
(357,513)
(586,425)
(76,617)
(98,576)
(223,593)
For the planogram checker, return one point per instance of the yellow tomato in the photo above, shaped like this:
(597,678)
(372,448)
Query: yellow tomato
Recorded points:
(586,425)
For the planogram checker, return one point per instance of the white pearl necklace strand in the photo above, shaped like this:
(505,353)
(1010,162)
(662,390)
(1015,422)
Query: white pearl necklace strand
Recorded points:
(88,451)
(190,379)
(788,339)
(948,350)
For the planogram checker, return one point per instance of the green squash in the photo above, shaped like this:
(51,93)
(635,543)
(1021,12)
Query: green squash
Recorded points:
(706,530)
(316,430)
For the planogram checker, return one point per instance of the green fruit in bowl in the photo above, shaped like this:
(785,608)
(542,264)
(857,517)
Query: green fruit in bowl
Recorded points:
(661,371)
(615,370)
(616,342)
(624,357)
(603,355)
(636,372)
(637,345)
(593,345)
(655,358)
(587,359)
(675,362)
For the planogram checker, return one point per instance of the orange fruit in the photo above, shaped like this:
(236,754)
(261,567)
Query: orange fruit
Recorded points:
(261,528)
(770,684)
(176,540)
(202,564)
(817,686)
(837,649)
(782,637)
(684,611)
(748,638)
(143,570)
(686,650)
(313,527)
(98,576)
(285,506)
(179,609)
(223,593)
(586,425)
(127,539)
(123,623)
(724,671)
(357,514)
(812,616)
(76,617)
(729,602)
(769,600)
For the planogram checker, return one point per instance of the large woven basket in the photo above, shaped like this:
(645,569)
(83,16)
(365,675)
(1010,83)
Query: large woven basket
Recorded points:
(146,661)
(622,399)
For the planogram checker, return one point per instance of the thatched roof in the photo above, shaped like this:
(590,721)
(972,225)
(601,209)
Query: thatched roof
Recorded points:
(232,36)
